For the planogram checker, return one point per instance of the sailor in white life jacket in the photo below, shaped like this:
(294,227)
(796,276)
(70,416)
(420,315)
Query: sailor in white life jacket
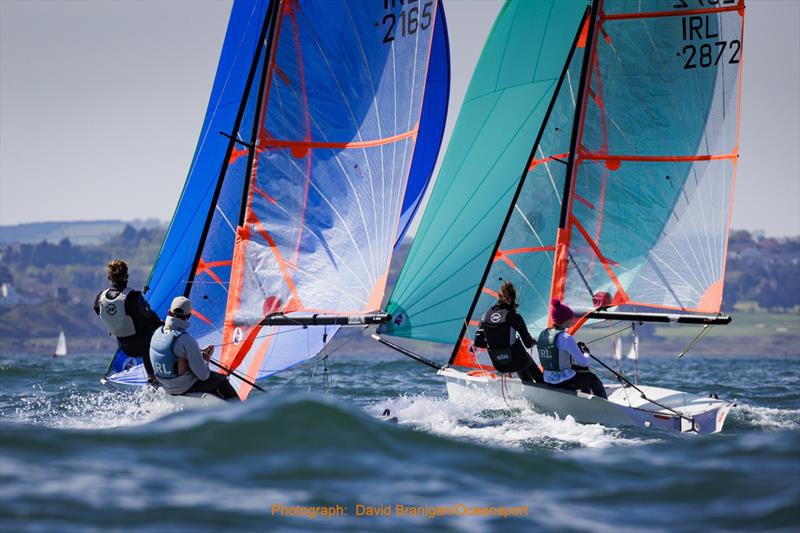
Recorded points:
(180,365)
(565,362)
(127,315)
(498,331)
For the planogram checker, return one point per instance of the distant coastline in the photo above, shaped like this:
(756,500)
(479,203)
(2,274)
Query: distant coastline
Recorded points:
(50,275)
(85,232)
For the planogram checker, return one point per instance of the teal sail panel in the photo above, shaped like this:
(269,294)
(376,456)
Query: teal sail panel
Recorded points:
(526,251)
(502,114)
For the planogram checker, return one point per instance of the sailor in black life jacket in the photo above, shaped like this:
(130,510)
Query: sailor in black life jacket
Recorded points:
(498,331)
(127,316)
(565,362)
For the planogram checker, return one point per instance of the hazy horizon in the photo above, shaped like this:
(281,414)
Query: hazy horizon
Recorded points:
(101,105)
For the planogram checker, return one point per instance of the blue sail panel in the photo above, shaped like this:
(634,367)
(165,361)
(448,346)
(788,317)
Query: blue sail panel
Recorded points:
(432,122)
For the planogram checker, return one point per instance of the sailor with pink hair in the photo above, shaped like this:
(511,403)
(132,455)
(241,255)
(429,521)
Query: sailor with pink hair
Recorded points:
(565,362)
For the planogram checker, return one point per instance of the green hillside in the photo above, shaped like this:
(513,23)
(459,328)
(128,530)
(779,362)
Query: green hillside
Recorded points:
(56,284)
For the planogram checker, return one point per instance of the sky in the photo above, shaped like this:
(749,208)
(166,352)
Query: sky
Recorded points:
(101,105)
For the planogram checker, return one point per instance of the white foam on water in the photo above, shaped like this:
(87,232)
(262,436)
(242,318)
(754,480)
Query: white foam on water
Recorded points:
(491,420)
(93,410)
(766,417)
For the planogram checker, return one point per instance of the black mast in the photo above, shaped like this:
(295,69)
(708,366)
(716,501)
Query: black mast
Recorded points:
(521,183)
(237,123)
(573,143)
(251,154)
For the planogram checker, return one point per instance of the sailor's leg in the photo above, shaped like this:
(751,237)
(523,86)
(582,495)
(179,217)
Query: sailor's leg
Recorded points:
(216,384)
(588,382)
(525,375)
(597,386)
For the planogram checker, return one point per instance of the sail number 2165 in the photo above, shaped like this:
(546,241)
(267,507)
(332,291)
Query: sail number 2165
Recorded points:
(408,21)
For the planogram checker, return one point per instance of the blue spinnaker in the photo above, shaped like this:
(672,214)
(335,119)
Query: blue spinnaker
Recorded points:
(216,182)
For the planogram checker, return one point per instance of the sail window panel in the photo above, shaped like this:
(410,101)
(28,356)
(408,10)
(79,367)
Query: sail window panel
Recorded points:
(660,229)
(285,342)
(526,253)
(588,274)
(685,268)
(333,227)
(622,212)
(277,349)
(684,89)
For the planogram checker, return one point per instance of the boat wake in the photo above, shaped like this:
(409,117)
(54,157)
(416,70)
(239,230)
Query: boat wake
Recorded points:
(492,421)
(72,408)
(770,418)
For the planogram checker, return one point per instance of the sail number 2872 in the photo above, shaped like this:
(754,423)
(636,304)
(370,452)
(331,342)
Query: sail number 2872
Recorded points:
(710,54)
(408,21)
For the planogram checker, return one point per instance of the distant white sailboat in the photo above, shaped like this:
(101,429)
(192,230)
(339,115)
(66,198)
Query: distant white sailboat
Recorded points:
(61,345)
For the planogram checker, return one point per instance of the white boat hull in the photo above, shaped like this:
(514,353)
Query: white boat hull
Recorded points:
(194,400)
(624,406)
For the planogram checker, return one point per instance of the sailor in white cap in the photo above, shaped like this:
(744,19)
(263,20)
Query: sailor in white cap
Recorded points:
(179,364)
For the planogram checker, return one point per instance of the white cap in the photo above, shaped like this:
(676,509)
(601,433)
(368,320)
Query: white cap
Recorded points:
(181,307)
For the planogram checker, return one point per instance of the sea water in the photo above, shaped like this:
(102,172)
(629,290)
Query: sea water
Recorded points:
(77,457)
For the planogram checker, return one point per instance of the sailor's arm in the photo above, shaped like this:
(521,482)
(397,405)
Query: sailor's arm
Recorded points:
(187,346)
(135,303)
(522,331)
(97,303)
(566,342)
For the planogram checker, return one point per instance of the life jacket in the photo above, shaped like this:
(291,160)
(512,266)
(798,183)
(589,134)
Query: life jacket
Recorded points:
(112,313)
(557,364)
(165,362)
(500,339)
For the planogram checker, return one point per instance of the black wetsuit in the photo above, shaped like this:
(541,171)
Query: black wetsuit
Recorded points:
(498,332)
